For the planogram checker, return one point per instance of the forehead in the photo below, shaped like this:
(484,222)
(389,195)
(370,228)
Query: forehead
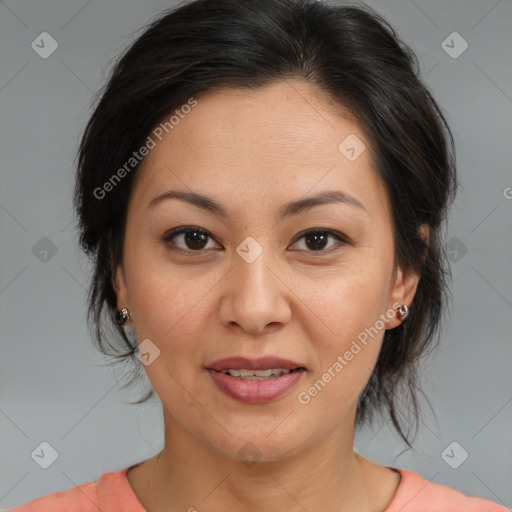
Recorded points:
(280,140)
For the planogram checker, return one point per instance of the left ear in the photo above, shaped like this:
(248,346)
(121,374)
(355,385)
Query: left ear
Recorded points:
(405,285)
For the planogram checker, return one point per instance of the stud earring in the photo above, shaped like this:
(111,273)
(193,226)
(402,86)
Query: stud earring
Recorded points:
(122,316)
(402,312)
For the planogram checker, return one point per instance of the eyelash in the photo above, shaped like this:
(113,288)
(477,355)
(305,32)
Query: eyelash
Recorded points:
(167,238)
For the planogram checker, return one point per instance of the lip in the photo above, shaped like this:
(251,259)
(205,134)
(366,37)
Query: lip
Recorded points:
(262,363)
(255,391)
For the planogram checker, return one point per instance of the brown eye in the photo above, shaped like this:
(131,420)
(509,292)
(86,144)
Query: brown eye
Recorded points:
(193,239)
(188,238)
(317,240)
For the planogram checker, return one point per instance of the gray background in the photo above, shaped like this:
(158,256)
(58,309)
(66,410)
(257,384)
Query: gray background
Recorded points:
(56,388)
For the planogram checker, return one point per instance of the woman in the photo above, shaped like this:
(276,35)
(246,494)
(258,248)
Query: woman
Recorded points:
(262,188)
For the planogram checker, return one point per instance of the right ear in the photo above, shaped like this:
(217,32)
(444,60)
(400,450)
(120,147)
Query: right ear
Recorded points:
(121,290)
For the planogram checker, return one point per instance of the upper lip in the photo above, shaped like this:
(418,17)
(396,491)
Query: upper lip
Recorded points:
(263,363)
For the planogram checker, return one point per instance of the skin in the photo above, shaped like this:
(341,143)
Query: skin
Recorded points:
(253,151)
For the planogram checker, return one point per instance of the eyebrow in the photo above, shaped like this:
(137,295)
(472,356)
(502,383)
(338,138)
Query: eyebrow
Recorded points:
(287,210)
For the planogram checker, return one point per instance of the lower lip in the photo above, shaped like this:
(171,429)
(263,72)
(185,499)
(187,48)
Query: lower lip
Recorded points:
(255,391)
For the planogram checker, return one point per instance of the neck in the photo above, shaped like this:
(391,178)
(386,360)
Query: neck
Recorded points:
(188,474)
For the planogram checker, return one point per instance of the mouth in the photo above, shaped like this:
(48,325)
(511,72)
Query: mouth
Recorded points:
(264,367)
(268,374)
(255,381)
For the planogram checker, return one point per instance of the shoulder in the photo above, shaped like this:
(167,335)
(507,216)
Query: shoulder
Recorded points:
(416,494)
(80,498)
(109,493)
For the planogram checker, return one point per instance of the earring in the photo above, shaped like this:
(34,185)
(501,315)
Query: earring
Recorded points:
(402,312)
(122,316)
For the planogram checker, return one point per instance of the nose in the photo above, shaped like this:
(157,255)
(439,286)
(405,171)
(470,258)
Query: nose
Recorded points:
(256,298)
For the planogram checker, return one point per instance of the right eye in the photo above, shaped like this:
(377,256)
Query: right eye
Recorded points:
(192,238)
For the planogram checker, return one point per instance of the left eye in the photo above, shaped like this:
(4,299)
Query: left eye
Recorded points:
(317,239)
(195,239)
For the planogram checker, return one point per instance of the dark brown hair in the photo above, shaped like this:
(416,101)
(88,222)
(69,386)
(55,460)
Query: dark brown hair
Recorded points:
(354,56)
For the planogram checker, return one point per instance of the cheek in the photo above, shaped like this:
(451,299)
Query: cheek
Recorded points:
(345,357)
(169,310)
(345,303)
(346,330)
(171,306)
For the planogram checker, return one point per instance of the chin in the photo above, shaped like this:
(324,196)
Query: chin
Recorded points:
(259,446)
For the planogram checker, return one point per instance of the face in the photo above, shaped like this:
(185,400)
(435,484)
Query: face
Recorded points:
(245,280)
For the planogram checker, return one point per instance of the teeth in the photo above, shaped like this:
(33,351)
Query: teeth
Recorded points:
(256,374)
